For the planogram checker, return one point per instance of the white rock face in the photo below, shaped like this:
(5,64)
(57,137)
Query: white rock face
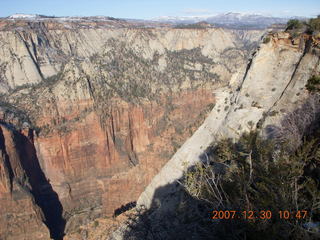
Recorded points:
(274,83)
(39,56)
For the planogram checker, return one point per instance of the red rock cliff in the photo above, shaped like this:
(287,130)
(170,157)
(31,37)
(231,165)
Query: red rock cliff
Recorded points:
(108,108)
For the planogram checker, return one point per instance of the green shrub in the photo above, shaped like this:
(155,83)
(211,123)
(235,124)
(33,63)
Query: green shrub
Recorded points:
(259,175)
(266,40)
(310,26)
(250,175)
(294,24)
(96,223)
(313,84)
(314,24)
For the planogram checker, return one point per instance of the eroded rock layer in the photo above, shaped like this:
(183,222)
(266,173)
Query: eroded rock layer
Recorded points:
(108,108)
(20,179)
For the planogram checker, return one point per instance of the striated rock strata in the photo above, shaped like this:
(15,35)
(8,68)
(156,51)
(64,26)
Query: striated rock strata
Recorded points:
(107,108)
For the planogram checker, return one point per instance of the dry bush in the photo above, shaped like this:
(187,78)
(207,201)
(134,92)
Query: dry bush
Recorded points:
(260,175)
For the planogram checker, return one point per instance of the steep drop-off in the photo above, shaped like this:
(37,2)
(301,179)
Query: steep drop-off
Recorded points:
(107,108)
(21,181)
(269,96)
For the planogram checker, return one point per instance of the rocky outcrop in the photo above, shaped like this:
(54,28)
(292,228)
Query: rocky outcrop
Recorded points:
(267,95)
(109,106)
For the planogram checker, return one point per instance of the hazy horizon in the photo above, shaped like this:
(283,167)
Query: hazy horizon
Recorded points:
(142,9)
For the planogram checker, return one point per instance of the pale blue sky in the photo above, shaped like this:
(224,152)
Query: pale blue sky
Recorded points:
(146,9)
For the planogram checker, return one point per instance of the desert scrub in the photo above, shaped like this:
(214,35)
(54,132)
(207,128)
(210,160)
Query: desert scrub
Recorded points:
(199,25)
(253,175)
(266,40)
(314,24)
(250,174)
(294,24)
(313,84)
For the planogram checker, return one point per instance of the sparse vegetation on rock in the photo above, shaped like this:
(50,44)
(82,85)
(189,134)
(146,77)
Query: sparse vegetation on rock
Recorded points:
(294,24)
(251,175)
(313,84)
(199,25)
(311,26)
(266,40)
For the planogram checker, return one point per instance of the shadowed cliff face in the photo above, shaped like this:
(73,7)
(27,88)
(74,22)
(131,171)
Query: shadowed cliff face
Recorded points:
(41,189)
(26,194)
(109,107)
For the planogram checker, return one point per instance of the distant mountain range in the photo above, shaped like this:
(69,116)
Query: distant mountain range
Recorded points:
(232,20)
(32,17)
(228,20)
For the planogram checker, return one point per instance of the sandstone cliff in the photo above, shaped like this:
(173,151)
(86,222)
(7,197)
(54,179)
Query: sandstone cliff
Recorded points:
(20,175)
(267,95)
(108,107)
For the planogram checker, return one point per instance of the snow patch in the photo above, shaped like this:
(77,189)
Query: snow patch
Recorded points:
(24,16)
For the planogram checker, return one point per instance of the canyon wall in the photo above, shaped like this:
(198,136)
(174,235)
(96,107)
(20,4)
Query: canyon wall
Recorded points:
(17,177)
(100,111)
(270,96)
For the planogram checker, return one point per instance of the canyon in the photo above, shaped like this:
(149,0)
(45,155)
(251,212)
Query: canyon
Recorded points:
(98,115)
(272,97)
(90,112)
